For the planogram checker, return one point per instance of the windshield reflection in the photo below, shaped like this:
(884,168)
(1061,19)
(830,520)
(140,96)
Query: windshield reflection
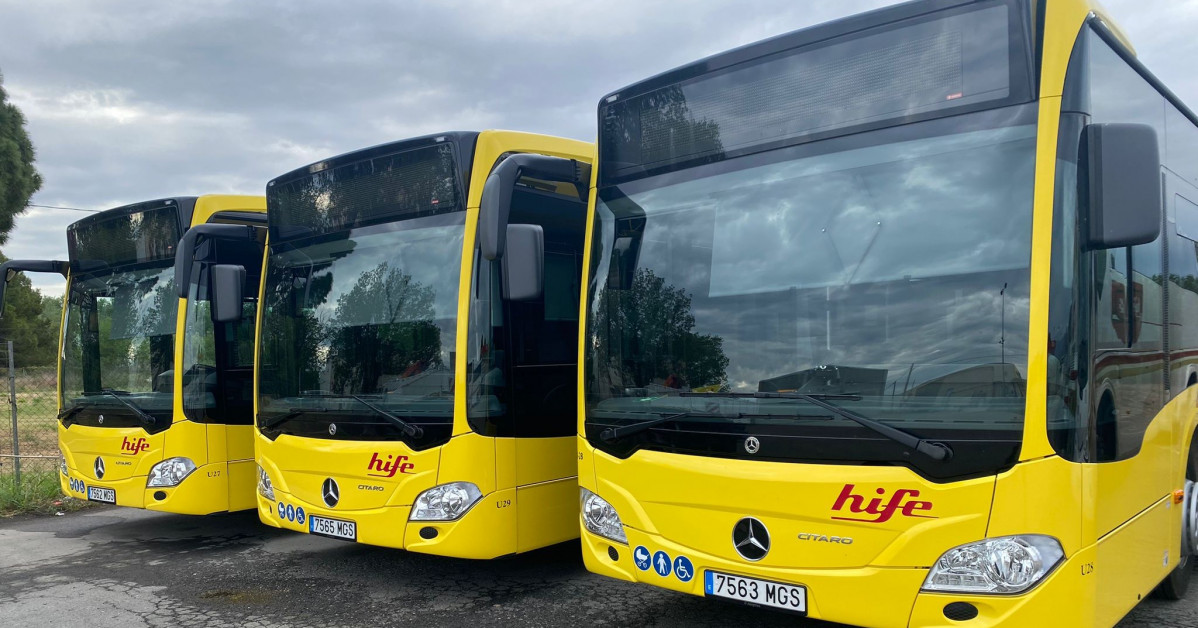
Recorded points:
(894,271)
(368,312)
(119,335)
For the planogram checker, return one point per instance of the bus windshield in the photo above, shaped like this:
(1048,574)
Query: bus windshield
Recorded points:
(885,271)
(119,339)
(360,318)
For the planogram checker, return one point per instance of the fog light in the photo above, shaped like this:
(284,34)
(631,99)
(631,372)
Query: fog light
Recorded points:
(265,488)
(600,518)
(446,502)
(170,472)
(1010,564)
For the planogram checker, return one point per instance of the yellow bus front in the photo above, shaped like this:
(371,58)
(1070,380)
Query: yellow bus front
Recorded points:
(407,396)
(887,324)
(155,405)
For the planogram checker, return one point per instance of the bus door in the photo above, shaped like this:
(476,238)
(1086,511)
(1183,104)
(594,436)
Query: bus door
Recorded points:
(218,361)
(537,341)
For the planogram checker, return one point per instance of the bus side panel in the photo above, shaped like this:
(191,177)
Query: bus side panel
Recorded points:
(1022,506)
(243,484)
(239,442)
(546,491)
(546,513)
(545,460)
(1132,560)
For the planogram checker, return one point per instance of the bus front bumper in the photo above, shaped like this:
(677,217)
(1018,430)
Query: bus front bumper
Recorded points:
(881,597)
(485,531)
(204,491)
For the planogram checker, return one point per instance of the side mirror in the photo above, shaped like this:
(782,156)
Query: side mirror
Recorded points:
(9,270)
(1122,184)
(185,252)
(524,263)
(225,289)
(496,204)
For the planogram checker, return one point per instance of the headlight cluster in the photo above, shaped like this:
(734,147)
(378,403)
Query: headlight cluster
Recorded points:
(1010,564)
(62,462)
(265,488)
(600,518)
(446,502)
(170,472)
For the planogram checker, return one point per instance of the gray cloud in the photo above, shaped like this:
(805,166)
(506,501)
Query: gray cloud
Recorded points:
(133,100)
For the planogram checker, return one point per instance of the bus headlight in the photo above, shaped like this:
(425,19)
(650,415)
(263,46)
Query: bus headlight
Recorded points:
(1010,564)
(600,518)
(62,462)
(265,488)
(170,472)
(446,502)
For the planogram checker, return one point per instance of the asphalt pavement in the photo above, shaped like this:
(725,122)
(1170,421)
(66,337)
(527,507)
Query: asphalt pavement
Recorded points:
(117,567)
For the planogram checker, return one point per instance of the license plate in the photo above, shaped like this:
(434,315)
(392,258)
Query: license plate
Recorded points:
(335,528)
(761,592)
(99,494)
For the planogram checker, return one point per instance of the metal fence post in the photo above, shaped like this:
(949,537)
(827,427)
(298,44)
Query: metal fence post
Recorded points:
(12,403)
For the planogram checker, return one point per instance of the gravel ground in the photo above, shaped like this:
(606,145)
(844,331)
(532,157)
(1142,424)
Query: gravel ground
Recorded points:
(129,568)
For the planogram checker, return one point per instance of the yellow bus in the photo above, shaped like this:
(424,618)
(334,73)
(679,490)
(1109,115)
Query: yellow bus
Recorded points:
(417,361)
(893,321)
(155,403)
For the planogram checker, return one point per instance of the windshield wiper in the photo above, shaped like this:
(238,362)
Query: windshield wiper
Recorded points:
(276,421)
(936,451)
(613,433)
(147,419)
(70,412)
(415,431)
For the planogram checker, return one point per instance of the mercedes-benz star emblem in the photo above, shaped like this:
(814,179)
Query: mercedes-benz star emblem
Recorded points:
(751,539)
(99,467)
(330,492)
(332,429)
(101,419)
(752,444)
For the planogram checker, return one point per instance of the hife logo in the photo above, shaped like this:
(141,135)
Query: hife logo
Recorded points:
(388,468)
(882,512)
(134,447)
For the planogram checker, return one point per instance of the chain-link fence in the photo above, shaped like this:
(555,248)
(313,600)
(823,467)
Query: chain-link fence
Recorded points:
(28,407)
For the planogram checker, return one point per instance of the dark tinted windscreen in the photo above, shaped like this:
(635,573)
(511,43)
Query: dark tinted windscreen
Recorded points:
(137,237)
(924,66)
(408,184)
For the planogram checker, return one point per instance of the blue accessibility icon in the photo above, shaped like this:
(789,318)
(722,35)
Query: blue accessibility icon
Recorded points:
(683,569)
(661,563)
(290,512)
(282,510)
(299,515)
(641,557)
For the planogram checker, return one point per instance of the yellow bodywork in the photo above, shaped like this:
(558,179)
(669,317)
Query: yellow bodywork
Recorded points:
(1120,533)
(529,485)
(224,454)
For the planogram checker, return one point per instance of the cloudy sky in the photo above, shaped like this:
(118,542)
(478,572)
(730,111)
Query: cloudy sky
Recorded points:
(130,100)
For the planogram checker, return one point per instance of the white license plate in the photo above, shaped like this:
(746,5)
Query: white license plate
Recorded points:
(335,528)
(98,494)
(772,594)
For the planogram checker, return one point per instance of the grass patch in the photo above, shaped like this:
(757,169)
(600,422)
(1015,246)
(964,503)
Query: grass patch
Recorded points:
(37,494)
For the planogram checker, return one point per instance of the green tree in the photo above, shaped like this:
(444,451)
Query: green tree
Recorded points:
(18,178)
(25,322)
(383,328)
(652,325)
